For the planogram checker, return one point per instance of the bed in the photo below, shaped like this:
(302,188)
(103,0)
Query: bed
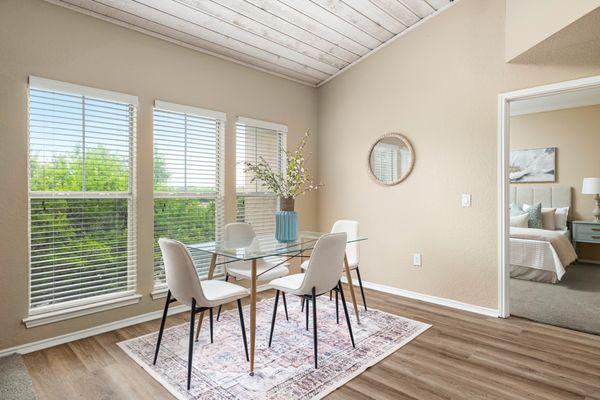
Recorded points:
(537,254)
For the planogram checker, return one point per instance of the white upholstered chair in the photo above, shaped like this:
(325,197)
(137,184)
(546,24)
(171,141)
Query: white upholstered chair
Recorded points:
(323,274)
(186,287)
(241,234)
(352,253)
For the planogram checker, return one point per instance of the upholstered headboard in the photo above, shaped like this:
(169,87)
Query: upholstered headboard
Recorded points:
(549,196)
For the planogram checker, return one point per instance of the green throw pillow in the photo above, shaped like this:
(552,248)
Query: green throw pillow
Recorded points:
(535,216)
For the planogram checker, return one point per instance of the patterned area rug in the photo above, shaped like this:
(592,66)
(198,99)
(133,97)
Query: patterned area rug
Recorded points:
(284,371)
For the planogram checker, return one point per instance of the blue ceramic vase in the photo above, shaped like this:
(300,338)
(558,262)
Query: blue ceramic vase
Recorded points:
(286,226)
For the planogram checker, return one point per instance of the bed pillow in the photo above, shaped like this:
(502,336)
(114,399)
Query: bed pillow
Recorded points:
(520,221)
(535,215)
(515,210)
(560,216)
(548,218)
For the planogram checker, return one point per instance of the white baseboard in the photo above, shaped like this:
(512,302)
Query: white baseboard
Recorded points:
(490,312)
(96,330)
(69,337)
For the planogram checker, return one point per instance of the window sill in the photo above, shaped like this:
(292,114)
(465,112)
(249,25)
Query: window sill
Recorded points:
(159,292)
(61,315)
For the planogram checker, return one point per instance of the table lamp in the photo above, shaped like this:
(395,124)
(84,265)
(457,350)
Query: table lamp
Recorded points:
(592,186)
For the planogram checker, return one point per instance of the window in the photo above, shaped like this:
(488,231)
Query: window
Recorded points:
(188,174)
(388,160)
(385,162)
(81,196)
(255,139)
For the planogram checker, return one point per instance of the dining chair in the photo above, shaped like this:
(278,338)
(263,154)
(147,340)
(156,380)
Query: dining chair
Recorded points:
(352,253)
(185,286)
(322,274)
(241,234)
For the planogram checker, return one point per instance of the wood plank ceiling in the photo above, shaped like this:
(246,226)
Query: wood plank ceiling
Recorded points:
(308,41)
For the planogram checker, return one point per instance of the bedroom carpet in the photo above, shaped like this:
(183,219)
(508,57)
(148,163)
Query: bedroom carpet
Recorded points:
(572,303)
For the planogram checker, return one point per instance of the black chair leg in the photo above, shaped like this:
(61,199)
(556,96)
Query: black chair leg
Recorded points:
(346,312)
(314,301)
(162,326)
(211,324)
(337,308)
(287,318)
(239,304)
(330,295)
(274,315)
(191,345)
(306,310)
(219,312)
(302,303)
(362,291)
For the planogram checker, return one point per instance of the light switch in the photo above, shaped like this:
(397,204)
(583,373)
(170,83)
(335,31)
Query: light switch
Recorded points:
(466,200)
(417,259)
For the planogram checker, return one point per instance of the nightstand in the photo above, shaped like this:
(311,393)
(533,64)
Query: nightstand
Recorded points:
(586,232)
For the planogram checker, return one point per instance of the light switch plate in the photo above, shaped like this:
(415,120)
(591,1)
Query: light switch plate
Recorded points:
(466,200)
(417,259)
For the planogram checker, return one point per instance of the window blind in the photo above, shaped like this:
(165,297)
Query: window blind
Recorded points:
(81,196)
(385,162)
(255,204)
(188,174)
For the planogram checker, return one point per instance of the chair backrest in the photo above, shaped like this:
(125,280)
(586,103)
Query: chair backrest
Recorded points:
(351,229)
(323,271)
(182,278)
(238,234)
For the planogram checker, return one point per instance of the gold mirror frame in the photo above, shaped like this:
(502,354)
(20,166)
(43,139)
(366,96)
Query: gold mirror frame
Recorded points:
(411,162)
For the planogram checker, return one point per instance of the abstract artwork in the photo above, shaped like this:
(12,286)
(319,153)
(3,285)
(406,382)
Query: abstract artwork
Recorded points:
(533,165)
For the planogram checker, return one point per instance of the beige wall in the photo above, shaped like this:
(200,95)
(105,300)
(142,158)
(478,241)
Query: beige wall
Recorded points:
(41,39)
(439,86)
(576,134)
(530,22)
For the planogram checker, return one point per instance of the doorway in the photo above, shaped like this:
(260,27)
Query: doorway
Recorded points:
(544,183)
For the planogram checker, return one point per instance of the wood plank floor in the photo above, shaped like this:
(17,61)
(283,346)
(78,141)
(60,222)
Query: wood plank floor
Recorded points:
(463,356)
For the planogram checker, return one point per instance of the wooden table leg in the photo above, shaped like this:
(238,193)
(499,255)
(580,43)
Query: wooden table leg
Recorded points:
(349,278)
(252,316)
(211,272)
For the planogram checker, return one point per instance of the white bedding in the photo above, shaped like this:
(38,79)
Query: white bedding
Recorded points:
(548,252)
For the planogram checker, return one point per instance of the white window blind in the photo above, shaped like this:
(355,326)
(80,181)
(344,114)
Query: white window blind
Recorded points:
(385,162)
(81,195)
(188,175)
(389,161)
(255,204)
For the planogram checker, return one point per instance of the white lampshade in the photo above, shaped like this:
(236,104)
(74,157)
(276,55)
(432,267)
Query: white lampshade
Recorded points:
(591,186)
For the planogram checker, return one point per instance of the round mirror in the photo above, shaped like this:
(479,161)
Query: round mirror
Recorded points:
(391,159)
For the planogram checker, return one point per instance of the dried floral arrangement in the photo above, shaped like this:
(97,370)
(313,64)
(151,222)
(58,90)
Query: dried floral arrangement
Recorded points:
(294,181)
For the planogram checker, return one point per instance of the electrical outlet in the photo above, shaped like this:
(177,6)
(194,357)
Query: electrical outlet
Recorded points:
(417,259)
(466,200)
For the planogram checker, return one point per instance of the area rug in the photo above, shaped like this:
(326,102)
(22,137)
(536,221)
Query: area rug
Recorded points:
(284,371)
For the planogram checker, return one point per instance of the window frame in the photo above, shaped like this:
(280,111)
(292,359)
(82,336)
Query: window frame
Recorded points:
(160,288)
(281,131)
(45,314)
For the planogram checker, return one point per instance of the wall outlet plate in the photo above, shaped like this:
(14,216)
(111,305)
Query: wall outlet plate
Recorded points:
(466,200)
(417,259)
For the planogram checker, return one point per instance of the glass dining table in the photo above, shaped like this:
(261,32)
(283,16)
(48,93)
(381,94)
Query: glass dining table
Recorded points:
(265,247)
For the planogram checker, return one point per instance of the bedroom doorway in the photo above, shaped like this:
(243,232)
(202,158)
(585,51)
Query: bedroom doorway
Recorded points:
(548,161)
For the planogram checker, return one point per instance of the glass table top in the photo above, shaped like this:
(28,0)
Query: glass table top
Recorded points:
(263,246)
